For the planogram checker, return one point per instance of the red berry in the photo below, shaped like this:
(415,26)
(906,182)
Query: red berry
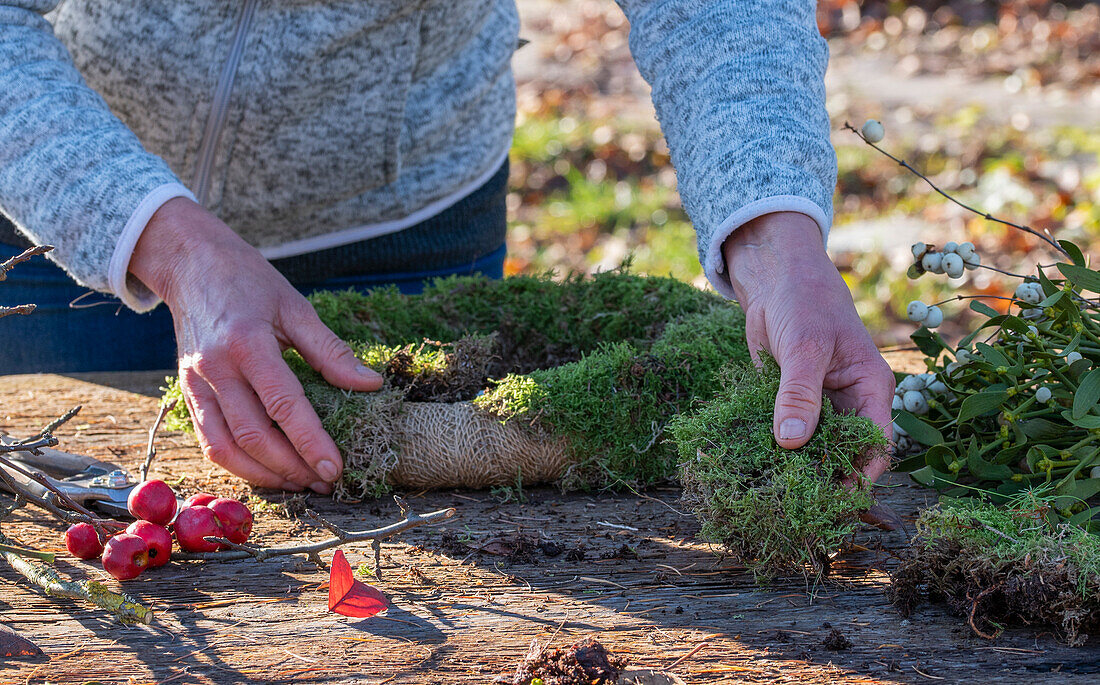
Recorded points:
(199,499)
(82,541)
(152,501)
(195,523)
(125,556)
(157,538)
(234,518)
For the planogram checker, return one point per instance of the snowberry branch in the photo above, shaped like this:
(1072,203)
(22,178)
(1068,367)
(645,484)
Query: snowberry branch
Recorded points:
(311,549)
(985,215)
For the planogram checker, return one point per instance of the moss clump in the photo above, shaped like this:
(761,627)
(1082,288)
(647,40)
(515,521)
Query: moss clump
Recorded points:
(433,371)
(539,322)
(602,362)
(775,510)
(613,405)
(1003,565)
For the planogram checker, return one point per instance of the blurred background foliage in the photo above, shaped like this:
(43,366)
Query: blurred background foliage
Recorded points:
(997,102)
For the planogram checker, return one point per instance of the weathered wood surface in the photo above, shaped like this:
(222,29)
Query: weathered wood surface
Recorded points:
(459,616)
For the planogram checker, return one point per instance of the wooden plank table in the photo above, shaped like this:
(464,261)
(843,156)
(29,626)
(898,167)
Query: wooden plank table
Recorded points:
(627,570)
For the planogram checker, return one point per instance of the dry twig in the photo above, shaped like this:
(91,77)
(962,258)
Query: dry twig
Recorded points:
(8,265)
(150,448)
(311,549)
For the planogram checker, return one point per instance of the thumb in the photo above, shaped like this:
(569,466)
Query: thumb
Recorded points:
(798,402)
(331,356)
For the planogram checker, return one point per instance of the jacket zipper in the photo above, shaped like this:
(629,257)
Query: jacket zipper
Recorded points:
(219,108)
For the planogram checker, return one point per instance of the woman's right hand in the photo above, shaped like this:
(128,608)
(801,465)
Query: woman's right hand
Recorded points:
(234,315)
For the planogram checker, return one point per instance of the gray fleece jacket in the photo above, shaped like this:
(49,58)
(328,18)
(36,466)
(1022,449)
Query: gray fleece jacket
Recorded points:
(307,124)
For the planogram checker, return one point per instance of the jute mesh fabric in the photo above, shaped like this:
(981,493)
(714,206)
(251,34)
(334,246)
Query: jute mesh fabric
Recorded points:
(443,445)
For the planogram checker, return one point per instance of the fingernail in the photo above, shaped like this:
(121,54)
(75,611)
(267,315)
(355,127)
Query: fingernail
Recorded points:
(792,429)
(367,372)
(327,470)
(321,488)
(292,487)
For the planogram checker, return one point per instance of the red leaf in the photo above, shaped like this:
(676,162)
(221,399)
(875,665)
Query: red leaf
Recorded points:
(350,597)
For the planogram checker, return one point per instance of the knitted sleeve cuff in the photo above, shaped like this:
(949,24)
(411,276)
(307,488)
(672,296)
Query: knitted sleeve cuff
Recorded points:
(714,263)
(130,290)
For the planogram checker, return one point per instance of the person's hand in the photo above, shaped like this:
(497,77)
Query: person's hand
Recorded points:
(798,309)
(234,315)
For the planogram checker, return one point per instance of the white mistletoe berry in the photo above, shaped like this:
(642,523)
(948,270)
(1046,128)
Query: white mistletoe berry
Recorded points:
(1072,357)
(963,355)
(933,261)
(953,265)
(1043,394)
(916,311)
(914,382)
(964,250)
(1029,292)
(934,318)
(950,246)
(873,131)
(897,404)
(937,387)
(919,250)
(898,430)
(915,403)
(973,261)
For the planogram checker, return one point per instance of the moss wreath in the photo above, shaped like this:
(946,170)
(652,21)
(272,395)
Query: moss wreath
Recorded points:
(589,371)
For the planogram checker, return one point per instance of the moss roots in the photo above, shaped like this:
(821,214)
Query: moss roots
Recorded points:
(1000,566)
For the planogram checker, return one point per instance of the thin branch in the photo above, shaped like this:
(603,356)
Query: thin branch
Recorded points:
(1002,271)
(310,549)
(24,497)
(7,266)
(54,425)
(985,215)
(978,297)
(150,448)
(48,441)
(45,482)
(21,309)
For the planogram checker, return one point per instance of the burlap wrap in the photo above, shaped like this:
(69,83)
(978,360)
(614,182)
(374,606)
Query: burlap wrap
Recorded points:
(444,445)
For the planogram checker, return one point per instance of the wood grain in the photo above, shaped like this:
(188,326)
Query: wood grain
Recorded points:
(460,616)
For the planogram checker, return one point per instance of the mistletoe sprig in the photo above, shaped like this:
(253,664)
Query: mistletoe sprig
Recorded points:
(1015,405)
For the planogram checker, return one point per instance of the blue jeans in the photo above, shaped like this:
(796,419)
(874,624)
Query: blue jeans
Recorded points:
(74,331)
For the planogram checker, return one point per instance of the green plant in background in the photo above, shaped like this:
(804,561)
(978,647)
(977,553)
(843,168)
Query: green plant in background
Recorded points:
(775,510)
(1014,405)
(589,192)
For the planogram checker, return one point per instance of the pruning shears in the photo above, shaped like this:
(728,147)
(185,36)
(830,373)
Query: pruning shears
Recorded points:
(90,482)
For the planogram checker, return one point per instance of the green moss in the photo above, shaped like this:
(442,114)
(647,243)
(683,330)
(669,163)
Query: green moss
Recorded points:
(613,405)
(603,362)
(540,322)
(775,510)
(1003,565)
(1014,535)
